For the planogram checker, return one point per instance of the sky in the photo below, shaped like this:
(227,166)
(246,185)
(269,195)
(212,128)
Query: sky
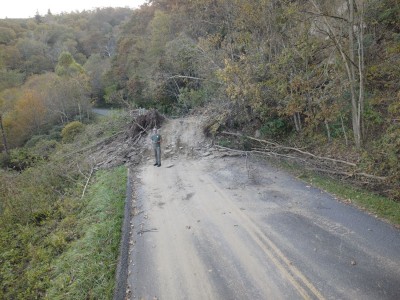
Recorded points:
(28,8)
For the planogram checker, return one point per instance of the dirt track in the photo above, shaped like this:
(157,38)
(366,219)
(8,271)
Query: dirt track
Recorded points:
(212,227)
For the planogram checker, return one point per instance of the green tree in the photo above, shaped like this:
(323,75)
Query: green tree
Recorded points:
(71,130)
(96,67)
(67,66)
(7,35)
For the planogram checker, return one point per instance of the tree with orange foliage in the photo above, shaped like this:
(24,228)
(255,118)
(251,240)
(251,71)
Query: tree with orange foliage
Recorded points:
(27,118)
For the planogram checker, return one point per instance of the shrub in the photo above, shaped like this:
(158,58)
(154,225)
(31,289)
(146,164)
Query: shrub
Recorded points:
(44,148)
(34,140)
(4,160)
(275,128)
(386,162)
(189,98)
(22,158)
(55,133)
(71,130)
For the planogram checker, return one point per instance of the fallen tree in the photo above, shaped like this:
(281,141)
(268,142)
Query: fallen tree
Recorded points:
(313,162)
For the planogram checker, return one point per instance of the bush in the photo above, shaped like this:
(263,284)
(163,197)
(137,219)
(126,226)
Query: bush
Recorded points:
(44,148)
(189,98)
(71,130)
(22,158)
(4,160)
(55,133)
(275,128)
(384,160)
(35,139)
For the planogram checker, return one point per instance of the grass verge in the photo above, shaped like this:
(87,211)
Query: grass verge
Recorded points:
(86,270)
(379,206)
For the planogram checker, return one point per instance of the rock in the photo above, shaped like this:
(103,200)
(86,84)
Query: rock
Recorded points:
(257,134)
(206,154)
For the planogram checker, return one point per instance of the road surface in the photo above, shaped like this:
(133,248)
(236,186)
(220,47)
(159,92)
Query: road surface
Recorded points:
(102,111)
(211,227)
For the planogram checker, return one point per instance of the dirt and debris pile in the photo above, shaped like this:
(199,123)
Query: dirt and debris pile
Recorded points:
(180,137)
(126,147)
(144,122)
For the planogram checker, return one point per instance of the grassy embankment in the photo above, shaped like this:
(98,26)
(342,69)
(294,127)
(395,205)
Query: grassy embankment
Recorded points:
(377,205)
(87,269)
(374,204)
(54,243)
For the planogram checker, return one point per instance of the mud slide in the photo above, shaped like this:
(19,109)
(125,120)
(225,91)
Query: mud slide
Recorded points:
(207,226)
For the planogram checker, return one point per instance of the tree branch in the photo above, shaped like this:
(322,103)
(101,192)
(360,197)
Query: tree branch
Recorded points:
(323,15)
(194,78)
(87,182)
(293,149)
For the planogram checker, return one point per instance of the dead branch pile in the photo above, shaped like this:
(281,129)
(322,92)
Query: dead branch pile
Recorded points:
(141,124)
(123,147)
(328,165)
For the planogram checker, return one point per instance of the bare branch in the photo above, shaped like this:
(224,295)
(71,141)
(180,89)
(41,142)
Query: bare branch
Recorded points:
(293,149)
(87,182)
(194,78)
(324,15)
(331,169)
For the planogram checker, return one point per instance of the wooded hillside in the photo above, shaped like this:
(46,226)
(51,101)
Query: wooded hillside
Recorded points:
(319,75)
(51,69)
(316,74)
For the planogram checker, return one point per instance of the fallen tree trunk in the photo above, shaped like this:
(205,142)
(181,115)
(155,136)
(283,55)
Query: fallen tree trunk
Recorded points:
(348,169)
(292,149)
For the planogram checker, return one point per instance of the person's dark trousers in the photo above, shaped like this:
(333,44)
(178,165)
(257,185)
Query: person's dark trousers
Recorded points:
(157,154)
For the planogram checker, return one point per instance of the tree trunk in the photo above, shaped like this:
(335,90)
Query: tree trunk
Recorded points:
(3,133)
(355,113)
(80,111)
(344,131)
(357,103)
(361,68)
(328,131)
(297,121)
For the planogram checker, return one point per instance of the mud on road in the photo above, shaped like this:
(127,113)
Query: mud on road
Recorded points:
(207,226)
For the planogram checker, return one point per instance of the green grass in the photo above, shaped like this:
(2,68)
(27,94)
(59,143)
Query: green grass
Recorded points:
(379,206)
(86,270)
(53,244)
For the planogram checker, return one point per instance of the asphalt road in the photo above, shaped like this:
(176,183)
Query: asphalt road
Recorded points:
(102,111)
(237,228)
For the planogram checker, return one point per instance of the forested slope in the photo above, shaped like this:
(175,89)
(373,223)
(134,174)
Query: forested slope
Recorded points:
(51,69)
(316,74)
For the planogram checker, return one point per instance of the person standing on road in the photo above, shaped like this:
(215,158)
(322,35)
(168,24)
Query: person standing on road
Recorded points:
(156,139)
